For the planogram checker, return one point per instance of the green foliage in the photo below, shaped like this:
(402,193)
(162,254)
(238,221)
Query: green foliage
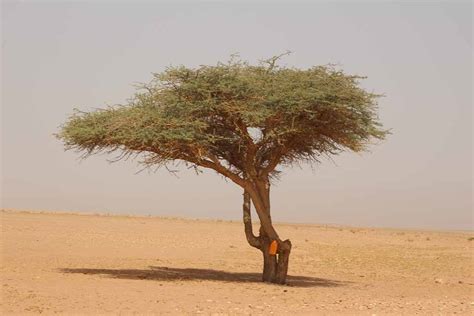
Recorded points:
(245,118)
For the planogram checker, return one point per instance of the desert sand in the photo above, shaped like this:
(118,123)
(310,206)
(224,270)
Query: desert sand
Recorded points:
(92,264)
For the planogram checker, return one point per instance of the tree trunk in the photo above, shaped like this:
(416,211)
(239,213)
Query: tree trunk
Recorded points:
(275,266)
(269,261)
(270,267)
(282,262)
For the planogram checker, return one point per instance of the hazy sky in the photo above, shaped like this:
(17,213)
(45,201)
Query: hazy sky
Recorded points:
(60,55)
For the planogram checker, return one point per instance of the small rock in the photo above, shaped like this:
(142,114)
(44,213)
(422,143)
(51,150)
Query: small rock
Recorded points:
(439,281)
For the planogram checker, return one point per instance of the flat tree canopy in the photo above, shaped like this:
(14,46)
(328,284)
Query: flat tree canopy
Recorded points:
(240,120)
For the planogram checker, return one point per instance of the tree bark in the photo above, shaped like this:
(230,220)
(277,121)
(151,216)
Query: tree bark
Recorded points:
(275,266)
(282,263)
(270,264)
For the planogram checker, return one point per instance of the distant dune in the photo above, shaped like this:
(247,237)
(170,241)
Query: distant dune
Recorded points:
(91,264)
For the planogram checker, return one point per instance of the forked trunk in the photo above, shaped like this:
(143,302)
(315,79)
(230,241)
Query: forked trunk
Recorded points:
(275,261)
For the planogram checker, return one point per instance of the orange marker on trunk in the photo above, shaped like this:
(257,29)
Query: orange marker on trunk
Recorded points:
(273,248)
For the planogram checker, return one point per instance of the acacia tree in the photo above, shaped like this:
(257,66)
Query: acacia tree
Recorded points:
(241,120)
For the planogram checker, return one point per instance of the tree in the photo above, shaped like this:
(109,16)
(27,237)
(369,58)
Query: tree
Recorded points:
(241,120)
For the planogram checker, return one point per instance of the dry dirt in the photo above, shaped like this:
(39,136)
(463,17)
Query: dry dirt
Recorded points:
(90,264)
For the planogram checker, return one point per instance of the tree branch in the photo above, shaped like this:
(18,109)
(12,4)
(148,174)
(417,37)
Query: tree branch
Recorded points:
(217,166)
(273,162)
(253,240)
(251,148)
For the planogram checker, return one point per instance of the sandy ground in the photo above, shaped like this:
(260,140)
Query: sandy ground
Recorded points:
(77,264)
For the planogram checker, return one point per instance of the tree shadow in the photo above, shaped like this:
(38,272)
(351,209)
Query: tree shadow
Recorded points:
(172,274)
